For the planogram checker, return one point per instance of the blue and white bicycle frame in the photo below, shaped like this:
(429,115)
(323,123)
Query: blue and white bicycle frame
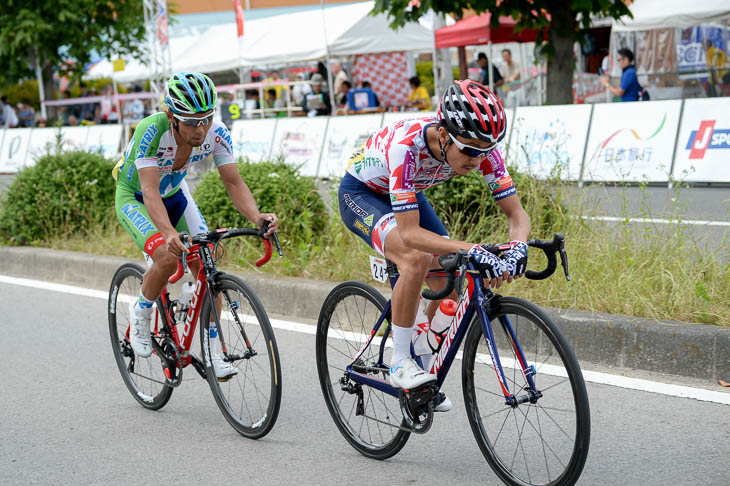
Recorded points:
(472,300)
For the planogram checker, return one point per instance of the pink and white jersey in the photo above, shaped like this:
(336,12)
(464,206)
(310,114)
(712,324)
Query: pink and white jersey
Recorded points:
(397,161)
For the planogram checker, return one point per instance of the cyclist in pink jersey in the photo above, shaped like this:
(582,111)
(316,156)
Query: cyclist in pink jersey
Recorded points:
(381,201)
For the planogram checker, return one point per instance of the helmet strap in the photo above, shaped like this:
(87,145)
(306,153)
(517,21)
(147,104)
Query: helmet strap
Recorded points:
(443,149)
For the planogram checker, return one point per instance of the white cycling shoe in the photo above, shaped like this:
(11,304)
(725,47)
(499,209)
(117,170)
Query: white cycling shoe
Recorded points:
(139,332)
(224,370)
(444,405)
(408,375)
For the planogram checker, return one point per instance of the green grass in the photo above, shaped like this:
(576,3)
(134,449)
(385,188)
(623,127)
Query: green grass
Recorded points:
(619,268)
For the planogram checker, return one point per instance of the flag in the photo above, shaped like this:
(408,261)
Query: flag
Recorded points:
(239,17)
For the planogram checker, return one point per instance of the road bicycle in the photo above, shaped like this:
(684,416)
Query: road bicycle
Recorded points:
(250,399)
(523,389)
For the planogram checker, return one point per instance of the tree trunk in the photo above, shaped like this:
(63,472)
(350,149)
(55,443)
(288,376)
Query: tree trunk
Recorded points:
(560,66)
(49,91)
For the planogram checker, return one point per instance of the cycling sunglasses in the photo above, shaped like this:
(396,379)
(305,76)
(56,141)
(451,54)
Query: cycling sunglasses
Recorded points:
(470,151)
(193,122)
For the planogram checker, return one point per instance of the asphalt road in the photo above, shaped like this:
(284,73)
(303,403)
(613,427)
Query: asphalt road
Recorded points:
(67,418)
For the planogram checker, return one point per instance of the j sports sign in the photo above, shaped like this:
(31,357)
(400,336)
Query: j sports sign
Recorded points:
(707,137)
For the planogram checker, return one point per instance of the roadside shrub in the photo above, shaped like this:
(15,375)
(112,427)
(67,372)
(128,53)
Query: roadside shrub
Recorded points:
(63,193)
(466,206)
(277,188)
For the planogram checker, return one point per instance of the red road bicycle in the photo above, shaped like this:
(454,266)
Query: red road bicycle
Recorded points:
(250,399)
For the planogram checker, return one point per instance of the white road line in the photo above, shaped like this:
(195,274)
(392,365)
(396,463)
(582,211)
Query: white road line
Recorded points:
(698,222)
(590,376)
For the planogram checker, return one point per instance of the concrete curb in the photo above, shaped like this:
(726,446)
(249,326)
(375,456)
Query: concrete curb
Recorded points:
(689,350)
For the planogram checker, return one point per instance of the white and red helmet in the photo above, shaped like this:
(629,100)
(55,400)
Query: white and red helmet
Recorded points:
(471,110)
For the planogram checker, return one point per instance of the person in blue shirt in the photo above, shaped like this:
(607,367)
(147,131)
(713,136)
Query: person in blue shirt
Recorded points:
(628,90)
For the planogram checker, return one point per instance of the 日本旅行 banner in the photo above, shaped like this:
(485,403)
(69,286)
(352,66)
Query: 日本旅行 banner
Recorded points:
(252,138)
(299,141)
(632,142)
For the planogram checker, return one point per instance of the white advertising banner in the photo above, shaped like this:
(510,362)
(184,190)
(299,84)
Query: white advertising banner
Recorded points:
(75,138)
(549,140)
(632,142)
(43,140)
(345,135)
(105,139)
(703,150)
(252,138)
(299,141)
(14,149)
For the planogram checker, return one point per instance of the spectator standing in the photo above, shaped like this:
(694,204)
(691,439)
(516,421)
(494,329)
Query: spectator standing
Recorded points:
(87,111)
(483,62)
(26,115)
(108,108)
(226,102)
(419,98)
(341,96)
(10,119)
(317,103)
(716,58)
(628,90)
(134,109)
(510,68)
(340,77)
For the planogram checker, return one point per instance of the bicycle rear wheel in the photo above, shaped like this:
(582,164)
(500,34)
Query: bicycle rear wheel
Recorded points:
(144,377)
(346,320)
(540,443)
(250,400)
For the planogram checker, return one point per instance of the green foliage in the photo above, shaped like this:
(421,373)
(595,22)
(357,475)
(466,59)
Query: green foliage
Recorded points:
(25,92)
(63,194)
(466,206)
(64,34)
(277,188)
(424,70)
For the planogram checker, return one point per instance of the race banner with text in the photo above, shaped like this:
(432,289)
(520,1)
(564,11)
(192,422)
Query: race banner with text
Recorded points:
(253,138)
(632,142)
(549,140)
(703,149)
(299,141)
(345,136)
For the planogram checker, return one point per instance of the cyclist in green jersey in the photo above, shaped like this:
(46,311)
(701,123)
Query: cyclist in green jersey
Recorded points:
(153,202)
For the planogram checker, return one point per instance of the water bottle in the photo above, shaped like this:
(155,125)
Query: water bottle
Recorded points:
(183,303)
(420,332)
(440,324)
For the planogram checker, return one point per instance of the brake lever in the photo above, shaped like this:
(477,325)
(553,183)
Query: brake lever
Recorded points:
(275,237)
(460,280)
(184,238)
(564,262)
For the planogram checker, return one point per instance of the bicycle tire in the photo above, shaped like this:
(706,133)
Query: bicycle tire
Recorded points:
(336,327)
(125,285)
(255,418)
(564,398)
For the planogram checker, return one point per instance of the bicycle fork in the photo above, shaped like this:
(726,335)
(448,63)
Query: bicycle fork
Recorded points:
(532,394)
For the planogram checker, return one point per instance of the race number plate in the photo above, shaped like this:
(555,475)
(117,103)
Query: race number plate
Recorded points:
(377,269)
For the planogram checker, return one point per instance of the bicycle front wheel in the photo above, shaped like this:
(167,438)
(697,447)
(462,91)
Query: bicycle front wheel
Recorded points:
(369,419)
(250,398)
(144,377)
(543,441)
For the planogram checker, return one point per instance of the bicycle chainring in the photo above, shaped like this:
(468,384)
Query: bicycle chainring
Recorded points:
(171,362)
(417,408)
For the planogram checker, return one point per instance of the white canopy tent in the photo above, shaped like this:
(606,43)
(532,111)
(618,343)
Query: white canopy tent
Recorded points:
(135,70)
(311,35)
(660,14)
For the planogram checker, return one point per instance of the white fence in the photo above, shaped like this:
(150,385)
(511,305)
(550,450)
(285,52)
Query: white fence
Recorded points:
(654,141)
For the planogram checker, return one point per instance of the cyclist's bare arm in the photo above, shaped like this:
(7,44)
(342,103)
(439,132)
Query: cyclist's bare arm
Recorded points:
(517,218)
(149,178)
(418,238)
(243,200)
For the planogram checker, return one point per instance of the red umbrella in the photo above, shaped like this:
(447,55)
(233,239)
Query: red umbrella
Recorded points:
(475,30)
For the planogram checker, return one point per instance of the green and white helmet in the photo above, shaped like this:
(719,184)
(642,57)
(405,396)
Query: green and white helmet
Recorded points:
(190,93)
